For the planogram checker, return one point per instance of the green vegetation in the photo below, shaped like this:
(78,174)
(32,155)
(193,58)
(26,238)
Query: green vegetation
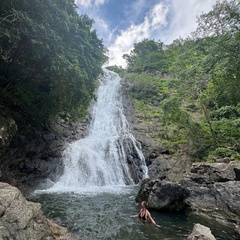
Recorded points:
(49,58)
(188,91)
(146,56)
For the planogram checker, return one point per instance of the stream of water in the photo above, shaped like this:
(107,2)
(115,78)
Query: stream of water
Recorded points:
(94,197)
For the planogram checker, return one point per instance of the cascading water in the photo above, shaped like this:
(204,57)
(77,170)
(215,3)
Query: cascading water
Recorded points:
(93,198)
(101,158)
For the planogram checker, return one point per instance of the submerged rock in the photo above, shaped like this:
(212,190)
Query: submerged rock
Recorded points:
(201,232)
(22,219)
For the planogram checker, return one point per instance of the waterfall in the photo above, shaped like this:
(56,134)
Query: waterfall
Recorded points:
(102,157)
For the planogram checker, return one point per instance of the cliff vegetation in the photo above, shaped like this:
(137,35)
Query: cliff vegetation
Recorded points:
(188,91)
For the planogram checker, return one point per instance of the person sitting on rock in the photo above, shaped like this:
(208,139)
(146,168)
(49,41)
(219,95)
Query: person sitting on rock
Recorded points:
(144,214)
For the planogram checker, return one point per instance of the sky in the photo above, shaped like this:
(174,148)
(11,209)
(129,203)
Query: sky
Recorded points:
(121,23)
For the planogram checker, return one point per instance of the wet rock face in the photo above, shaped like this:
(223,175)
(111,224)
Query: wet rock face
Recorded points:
(21,219)
(133,160)
(214,190)
(216,172)
(161,164)
(33,157)
(163,195)
(8,129)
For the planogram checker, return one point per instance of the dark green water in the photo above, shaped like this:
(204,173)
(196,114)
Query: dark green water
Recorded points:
(106,215)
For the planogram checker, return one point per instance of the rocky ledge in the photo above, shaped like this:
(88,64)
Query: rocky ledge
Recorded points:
(210,190)
(22,219)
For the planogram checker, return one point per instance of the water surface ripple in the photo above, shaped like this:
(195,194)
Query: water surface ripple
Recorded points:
(106,215)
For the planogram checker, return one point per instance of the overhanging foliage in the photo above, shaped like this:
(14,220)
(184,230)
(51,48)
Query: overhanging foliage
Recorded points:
(49,58)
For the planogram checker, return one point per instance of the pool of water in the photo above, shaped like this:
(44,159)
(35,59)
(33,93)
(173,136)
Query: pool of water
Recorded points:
(105,214)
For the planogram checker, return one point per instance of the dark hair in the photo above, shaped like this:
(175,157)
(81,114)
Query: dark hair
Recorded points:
(145,204)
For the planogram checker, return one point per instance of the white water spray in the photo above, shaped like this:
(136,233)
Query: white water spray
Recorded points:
(100,159)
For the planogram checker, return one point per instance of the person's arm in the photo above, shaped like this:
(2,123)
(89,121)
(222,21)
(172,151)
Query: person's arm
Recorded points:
(135,215)
(151,219)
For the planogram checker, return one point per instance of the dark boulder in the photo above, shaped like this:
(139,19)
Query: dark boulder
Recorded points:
(216,172)
(219,201)
(163,195)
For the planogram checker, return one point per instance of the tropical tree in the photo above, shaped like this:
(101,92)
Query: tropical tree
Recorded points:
(49,58)
(147,55)
(221,29)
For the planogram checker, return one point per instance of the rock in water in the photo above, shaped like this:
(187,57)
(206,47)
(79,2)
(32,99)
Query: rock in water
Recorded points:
(22,219)
(162,195)
(201,232)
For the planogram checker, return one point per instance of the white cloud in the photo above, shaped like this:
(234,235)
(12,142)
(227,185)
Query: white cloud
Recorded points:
(181,15)
(91,8)
(83,2)
(166,21)
(103,30)
(136,33)
(134,10)
(184,16)
(100,2)
(90,2)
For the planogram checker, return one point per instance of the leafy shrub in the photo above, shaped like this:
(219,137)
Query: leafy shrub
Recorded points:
(144,86)
(229,112)
(223,152)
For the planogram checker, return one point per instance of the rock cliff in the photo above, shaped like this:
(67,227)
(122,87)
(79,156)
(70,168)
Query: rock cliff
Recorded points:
(158,158)
(21,219)
(31,157)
